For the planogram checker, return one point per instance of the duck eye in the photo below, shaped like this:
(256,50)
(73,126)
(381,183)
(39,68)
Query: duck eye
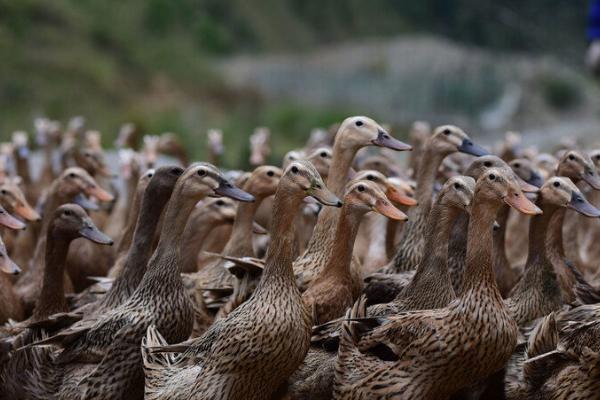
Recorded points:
(556,184)
(220,202)
(68,212)
(517,165)
(487,164)
(294,169)
(446,132)
(492,177)
(317,186)
(358,123)
(457,186)
(323,154)
(201,172)
(270,173)
(361,188)
(72,175)
(3,191)
(571,157)
(370,177)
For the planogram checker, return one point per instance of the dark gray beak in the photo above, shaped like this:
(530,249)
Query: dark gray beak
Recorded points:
(582,206)
(385,140)
(227,189)
(467,146)
(85,203)
(89,231)
(536,180)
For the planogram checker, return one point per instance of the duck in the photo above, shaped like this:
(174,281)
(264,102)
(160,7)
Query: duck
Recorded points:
(578,167)
(420,131)
(262,183)
(13,200)
(128,136)
(69,221)
(250,353)
(260,147)
(93,352)
(64,189)
(10,305)
(215,148)
(171,145)
(538,292)
(428,344)
(506,275)
(445,140)
(335,288)
(207,215)
(353,134)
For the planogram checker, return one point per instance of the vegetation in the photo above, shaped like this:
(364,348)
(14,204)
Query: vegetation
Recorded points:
(151,61)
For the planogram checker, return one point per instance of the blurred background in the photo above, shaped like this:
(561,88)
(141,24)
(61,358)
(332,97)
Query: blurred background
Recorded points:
(189,65)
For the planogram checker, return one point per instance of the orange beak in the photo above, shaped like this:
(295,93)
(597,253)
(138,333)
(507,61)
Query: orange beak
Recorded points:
(517,200)
(526,187)
(25,211)
(8,266)
(397,196)
(9,221)
(386,209)
(99,193)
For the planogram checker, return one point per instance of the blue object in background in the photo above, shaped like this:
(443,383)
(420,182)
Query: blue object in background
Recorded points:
(593,31)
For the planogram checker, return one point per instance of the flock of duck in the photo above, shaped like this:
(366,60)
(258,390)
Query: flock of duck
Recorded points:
(339,274)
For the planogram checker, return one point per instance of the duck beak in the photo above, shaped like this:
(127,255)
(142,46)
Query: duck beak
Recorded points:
(520,202)
(593,180)
(386,209)
(397,196)
(467,146)
(85,203)
(91,232)
(227,189)
(525,186)
(536,180)
(325,196)
(385,140)
(99,193)
(582,206)
(9,221)
(25,211)
(8,266)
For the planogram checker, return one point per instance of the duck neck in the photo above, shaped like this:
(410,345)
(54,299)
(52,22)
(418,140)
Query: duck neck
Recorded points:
(140,250)
(164,265)
(554,238)
(340,166)
(52,297)
(435,260)
(54,200)
(345,235)
(499,249)
(428,167)
(478,276)
(278,264)
(132,220)
(240,241)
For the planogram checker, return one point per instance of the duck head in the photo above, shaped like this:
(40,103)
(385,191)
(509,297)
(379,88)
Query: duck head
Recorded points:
(9,221)
(263,181)
(398,193)
(562,192)
(13,199)
(321,159)
(527,171)
(499,185)
(76,180)
(457,192)
(365,196)
(577,166)
(70,221)
(221,209)
(448,139)
(360,131)
(301,174)
(201,179)
(481,164)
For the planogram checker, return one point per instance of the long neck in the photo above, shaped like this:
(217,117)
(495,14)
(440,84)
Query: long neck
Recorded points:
(54,199)
(428,167)
(439,224)
(499,248)
(479,275)
(278,265)
(164,264)
(554,238)
(240,241)
(52,298)
(22,165)
(141,249)
(132,220)
(345,235)
(340,166)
